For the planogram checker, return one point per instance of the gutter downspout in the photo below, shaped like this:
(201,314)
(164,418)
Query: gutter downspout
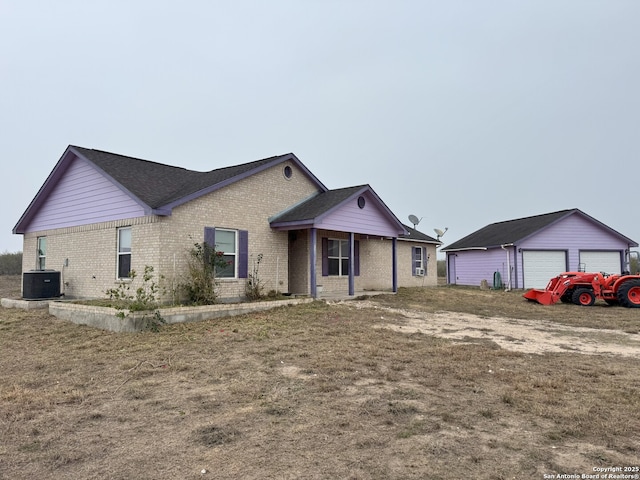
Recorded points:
(504,247)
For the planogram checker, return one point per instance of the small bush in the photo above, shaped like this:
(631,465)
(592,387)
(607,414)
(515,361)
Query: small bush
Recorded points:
(144,299)
(254,286)
(200,283)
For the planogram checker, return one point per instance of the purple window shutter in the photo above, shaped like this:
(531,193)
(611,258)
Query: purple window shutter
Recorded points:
(356,258)
(413,261)
(210,236)
(325,256)
(243,253)
(209,239)
(424,259)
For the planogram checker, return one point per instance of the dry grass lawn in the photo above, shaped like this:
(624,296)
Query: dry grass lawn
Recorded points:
(350,390)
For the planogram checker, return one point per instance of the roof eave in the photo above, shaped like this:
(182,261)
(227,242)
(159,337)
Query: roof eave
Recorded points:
(293,225)
(462,249)
(431,242)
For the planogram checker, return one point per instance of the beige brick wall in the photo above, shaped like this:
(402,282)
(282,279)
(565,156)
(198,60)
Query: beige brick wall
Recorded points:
(164,242)
(376,265)
(245,205)
(86,255)
(405,278)
(299,262)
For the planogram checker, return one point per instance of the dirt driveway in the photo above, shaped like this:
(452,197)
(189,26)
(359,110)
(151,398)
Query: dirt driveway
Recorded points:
(524,336)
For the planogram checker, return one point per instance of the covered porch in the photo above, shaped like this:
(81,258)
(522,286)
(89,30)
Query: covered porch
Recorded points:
(341,242)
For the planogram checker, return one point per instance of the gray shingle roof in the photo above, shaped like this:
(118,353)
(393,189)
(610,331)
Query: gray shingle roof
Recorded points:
(510,231)
(515,231)
(418,236)
(317,205)
(157,184)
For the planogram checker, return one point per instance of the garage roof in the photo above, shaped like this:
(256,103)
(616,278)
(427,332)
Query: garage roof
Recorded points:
(515,231)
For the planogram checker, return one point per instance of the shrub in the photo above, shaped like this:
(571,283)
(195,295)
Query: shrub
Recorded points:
(200,284)
(254,287)
(144,298)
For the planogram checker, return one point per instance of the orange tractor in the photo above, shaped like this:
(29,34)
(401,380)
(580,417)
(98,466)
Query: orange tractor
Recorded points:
(584,288)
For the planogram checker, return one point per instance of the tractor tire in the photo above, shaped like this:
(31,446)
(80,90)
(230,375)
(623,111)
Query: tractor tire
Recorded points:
(583,297)
(629,294)
(567,297)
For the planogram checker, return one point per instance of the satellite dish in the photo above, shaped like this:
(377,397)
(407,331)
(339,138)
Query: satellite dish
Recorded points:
(413,219)
(440,232)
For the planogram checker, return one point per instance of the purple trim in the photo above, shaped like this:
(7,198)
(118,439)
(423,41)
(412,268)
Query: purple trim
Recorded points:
(394,264)
(413,261)
(351,264)
(294,225)
(325,256)
(40,197)
(243,253)
(210,236)
(59,171)
(425,260)
(312,263)
(356,256)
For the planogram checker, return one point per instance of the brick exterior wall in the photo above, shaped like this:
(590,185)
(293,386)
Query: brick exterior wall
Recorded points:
(376,265)
(164,242)
(86,255)
(405,277)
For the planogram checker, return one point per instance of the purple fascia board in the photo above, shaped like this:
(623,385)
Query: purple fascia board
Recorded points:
(294,225)
(58,171)
(54,177)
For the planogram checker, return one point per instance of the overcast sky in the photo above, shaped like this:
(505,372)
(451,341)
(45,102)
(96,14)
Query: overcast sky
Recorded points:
(463,113)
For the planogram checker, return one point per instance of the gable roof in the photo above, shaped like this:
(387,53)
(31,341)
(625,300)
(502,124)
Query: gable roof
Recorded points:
(418,236)
(313,211)
(156,186)
(515,231)
(160,185)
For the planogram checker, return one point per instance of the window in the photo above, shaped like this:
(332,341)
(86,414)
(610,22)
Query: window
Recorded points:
(338,256)
(226,243)
(419,264)
(42,253)
(335,257)
(234,246)
(124,252)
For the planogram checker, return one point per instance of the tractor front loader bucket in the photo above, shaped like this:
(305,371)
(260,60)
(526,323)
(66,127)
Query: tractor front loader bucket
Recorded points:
(543,297)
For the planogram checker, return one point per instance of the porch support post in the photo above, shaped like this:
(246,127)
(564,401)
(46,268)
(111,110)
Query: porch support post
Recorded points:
(312,260)
(352,264)
(394,263)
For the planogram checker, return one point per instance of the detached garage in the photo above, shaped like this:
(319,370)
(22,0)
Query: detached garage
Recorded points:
(527,252)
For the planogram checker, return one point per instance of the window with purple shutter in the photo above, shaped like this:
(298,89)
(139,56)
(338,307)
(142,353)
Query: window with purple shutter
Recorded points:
(234,245)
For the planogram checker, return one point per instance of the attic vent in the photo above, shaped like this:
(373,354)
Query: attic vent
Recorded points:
(361,202)
(287,171)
